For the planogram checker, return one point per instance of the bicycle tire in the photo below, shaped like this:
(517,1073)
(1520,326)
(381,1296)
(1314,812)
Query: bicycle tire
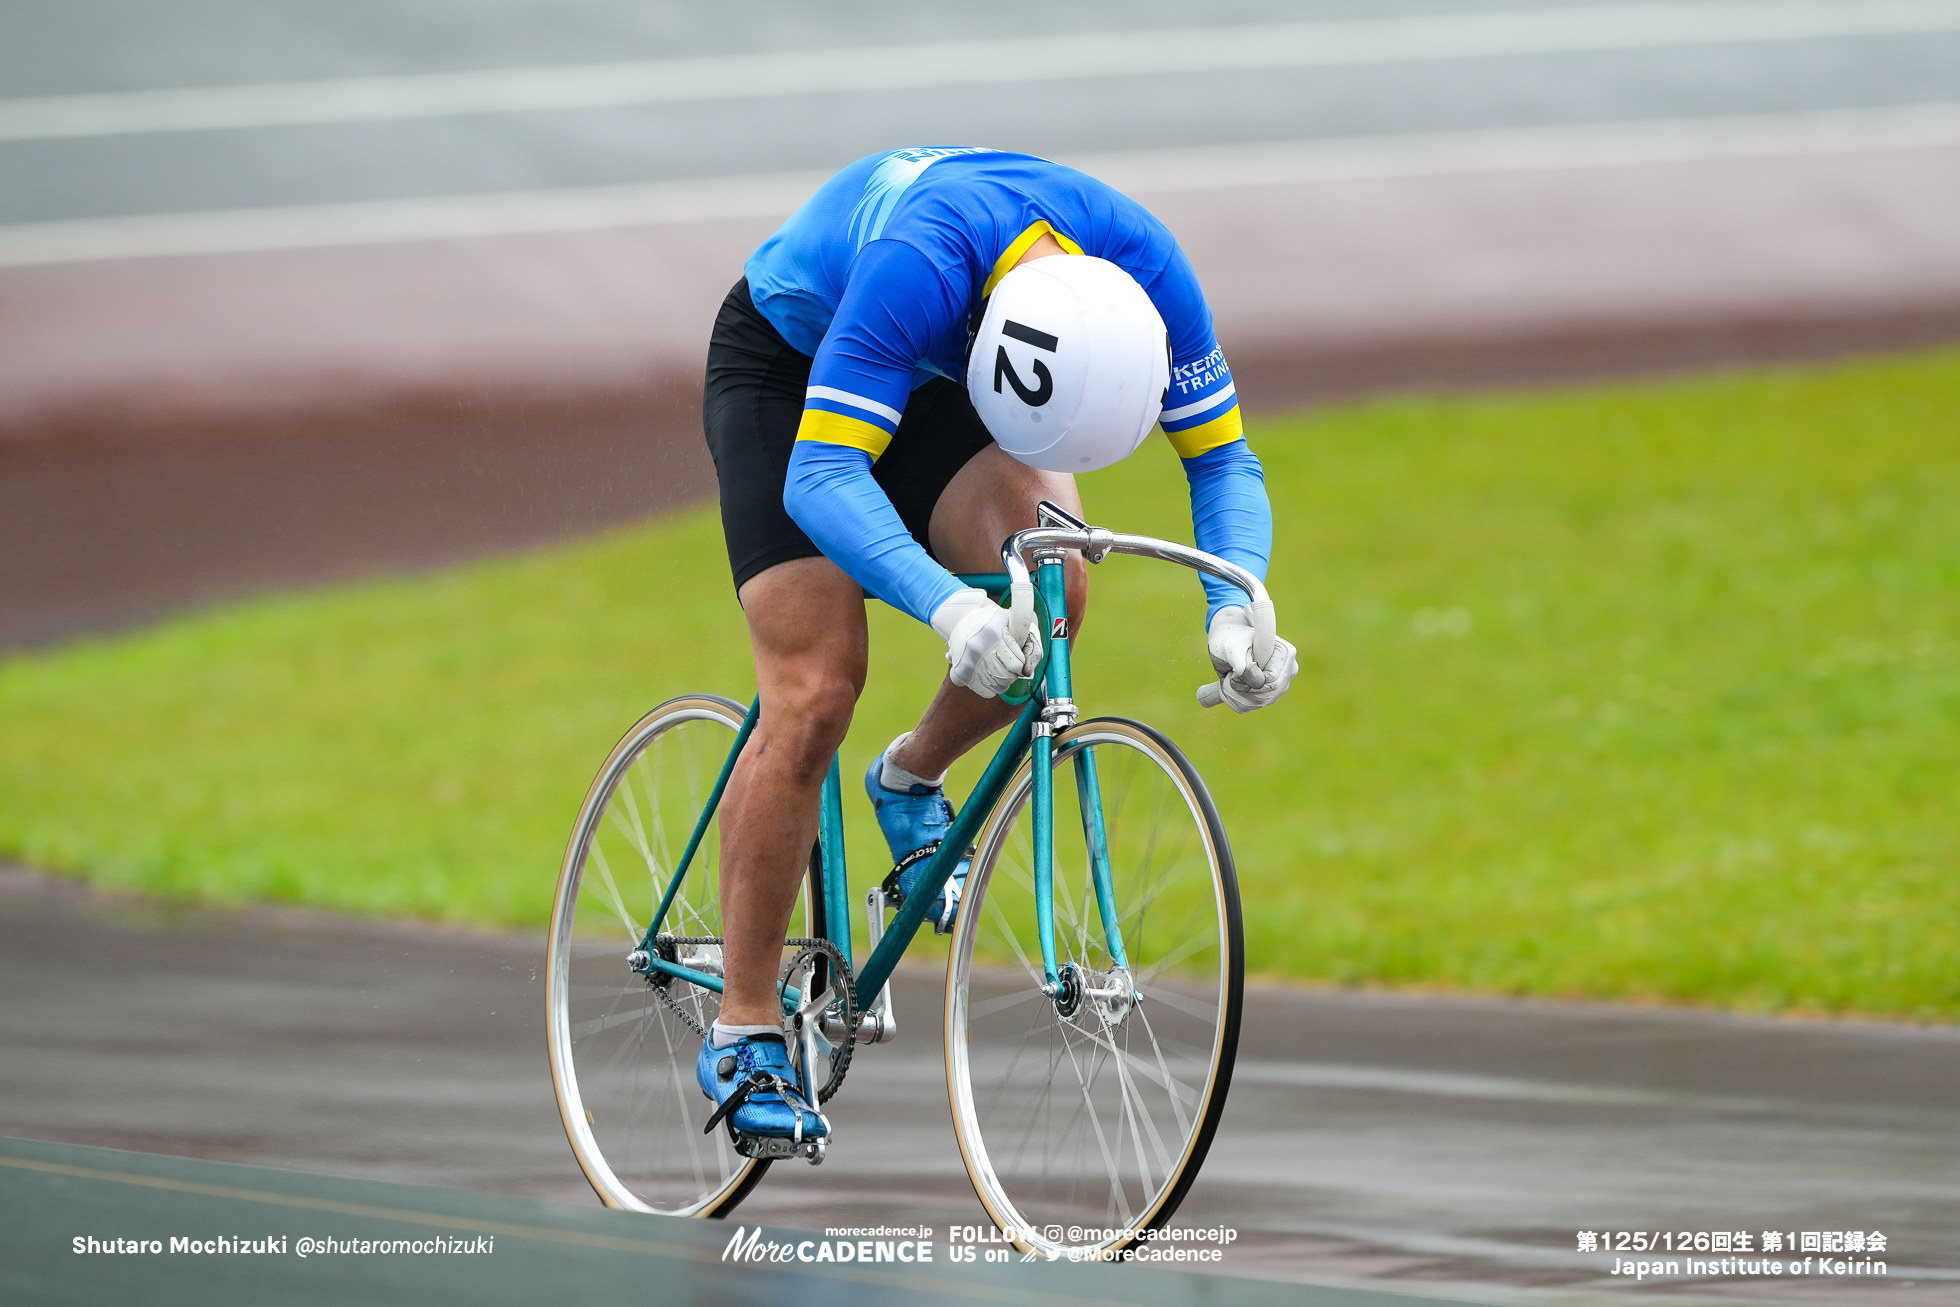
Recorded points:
(622,1057)
(1081,1130)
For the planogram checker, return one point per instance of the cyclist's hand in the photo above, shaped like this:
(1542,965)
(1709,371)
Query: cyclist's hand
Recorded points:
(985,659)
(1247,684)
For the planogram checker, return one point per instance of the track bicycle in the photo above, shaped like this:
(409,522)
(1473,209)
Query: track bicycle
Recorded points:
(1094,981)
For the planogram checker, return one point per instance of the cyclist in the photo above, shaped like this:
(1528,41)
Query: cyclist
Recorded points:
(924,351)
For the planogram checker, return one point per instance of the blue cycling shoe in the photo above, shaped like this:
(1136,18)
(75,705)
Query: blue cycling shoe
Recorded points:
(915,820)
(755,1089)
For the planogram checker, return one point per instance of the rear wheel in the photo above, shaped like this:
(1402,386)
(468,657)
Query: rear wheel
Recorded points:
(623,1044)
(1084,1116)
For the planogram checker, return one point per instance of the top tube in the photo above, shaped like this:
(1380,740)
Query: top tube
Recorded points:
(994,583)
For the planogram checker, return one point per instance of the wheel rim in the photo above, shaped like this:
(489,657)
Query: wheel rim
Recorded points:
(1077,1127)
(622,1058)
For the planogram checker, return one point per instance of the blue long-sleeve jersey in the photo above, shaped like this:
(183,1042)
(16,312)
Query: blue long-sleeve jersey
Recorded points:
(878,278)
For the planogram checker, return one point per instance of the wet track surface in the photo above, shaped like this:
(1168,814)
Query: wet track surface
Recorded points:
(1440,1145)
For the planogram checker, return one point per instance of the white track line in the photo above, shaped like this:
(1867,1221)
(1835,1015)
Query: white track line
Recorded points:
(1525,149)
(770,195)
(374,222)
(1070,57)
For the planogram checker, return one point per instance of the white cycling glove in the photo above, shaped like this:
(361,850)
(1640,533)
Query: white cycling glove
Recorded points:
(984,658)
(1247,684)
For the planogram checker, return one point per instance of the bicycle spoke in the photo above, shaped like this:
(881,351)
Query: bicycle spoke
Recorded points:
(1020,954)
(1116,1187)
(635,828)
(663,853)
(993,1005)
(1093,1107)
(623,1052)
(1175,956)
(1138,1112)
(612,895)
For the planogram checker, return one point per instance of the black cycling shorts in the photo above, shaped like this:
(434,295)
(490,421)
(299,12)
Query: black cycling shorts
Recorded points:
(751,408)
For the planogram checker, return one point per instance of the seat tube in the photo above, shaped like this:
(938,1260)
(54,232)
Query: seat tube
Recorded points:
(1049,579)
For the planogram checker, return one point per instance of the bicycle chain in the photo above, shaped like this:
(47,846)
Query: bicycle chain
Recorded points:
(668,999)
(841,1054)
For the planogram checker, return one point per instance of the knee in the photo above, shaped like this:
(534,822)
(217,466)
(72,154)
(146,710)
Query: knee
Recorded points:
(804,721)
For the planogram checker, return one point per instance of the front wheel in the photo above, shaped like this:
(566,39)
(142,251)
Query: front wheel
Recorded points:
(1084,1115)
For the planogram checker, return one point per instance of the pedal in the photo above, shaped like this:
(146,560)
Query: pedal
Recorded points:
(780,1148)
(771,1147)
(879,1024)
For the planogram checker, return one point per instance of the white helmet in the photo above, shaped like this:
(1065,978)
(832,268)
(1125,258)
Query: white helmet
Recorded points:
(1070,364)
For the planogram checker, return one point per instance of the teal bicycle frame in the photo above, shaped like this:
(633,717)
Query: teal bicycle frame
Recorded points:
(1050,707)
(1007,758)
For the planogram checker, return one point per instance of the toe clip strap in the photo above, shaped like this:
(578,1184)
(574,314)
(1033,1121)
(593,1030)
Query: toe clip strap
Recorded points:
(761,1082)
(894,895)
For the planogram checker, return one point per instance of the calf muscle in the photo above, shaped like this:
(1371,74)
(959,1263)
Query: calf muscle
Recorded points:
(806,626)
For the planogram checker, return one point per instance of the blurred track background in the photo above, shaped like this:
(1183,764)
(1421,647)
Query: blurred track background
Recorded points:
(290,293)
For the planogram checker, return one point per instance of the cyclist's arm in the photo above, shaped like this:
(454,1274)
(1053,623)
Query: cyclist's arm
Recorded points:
(1230,514)
(894,308)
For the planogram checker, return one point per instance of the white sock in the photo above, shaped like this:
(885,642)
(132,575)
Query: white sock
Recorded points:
(894,777)
(721,1036)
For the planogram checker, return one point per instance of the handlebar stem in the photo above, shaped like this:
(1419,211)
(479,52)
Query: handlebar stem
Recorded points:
(1061,530)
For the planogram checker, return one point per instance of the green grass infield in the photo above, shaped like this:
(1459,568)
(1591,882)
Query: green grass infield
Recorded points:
(1644,692)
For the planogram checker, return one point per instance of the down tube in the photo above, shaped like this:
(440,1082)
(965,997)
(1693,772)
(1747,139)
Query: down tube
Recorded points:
(835,889)
(1044,854)
(1088,788)
(898,935)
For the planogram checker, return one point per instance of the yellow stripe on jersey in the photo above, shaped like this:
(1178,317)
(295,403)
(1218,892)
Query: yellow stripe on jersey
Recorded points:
(1022,244)
(1207,436)
(836,429)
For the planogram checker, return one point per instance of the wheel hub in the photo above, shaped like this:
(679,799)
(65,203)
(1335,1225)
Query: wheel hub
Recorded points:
(640,960)
(1068,990)
(1114,995)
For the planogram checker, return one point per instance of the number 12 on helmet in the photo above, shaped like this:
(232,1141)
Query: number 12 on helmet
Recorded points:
(1070,365)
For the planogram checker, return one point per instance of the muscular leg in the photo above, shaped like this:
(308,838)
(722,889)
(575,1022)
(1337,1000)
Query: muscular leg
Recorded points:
(807,628)
(806,624)
(992,497)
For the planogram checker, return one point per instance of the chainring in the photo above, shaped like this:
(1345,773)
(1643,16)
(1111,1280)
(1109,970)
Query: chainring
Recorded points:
(846,985)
